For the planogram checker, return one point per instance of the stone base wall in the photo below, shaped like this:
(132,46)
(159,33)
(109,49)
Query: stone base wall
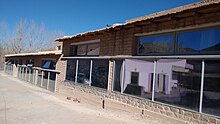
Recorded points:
(148,105)
(60,66)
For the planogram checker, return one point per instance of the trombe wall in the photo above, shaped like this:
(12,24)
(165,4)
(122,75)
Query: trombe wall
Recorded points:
(178,80)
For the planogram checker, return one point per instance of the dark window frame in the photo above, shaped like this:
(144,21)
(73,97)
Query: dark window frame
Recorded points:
(195,30)
(175,51)
(155,35)
(76,47)
(58,47)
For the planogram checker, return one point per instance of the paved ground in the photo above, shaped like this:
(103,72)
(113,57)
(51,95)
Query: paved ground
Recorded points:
(23,103)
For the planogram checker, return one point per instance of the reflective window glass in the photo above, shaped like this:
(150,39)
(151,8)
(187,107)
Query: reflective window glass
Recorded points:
(83,71)
(81,49)
(201,41)
(178,82)
(156,44)
(71,70)
(211,93)
(117,75)
(138,77)
(100,70)
(93,49)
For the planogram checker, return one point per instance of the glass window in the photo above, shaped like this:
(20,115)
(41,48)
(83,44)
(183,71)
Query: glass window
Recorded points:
(156,44)
(178,82)
(81,49)
(211,94)
(58,47)
(138,77)
(93,49)
(85,49)
(73,50)
(71,70)
(117,75)
(83,71)
(199,41)
(48,64)
(100,70)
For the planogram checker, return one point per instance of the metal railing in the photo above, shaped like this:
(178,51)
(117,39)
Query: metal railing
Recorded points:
(8,68)
(43,78)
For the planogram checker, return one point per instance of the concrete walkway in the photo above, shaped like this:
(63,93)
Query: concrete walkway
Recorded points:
(23,103)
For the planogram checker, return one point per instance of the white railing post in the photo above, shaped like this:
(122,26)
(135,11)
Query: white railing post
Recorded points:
(29,75)
(42,78)
(48,80)
(154,80)
(55,84)
(5,67)
(19,72)
(113,75)
(12,69)
(6,70)
(33,80)
(77,64)
(25,74)
(90,74)
(123,75)
(9,69)
(36,76)
(202,86)
(33,74)
(109,74)
(15,71)
(22,73)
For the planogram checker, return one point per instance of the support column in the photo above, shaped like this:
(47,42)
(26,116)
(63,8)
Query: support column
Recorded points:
(90,74)
(36,75)
(42,78)
(77,64)
(48,79)
(5,67)
(123,75)
(110,75)
(202,86)
(15,71)
(61,67)
(154,80)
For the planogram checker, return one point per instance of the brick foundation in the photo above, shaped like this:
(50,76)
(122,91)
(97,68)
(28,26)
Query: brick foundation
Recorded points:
(160,108)
(61,66)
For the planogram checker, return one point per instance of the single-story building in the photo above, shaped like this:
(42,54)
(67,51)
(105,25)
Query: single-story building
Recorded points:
(167,62)
(38,68)
(36,59)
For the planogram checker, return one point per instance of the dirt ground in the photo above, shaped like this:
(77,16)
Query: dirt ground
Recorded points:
(24,103)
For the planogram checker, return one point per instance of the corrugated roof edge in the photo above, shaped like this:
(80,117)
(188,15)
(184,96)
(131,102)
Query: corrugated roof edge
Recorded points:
(151,16)
(58,52)
(93,31)
(174,10)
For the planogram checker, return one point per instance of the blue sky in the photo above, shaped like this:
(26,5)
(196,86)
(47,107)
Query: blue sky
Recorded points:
(76,16)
